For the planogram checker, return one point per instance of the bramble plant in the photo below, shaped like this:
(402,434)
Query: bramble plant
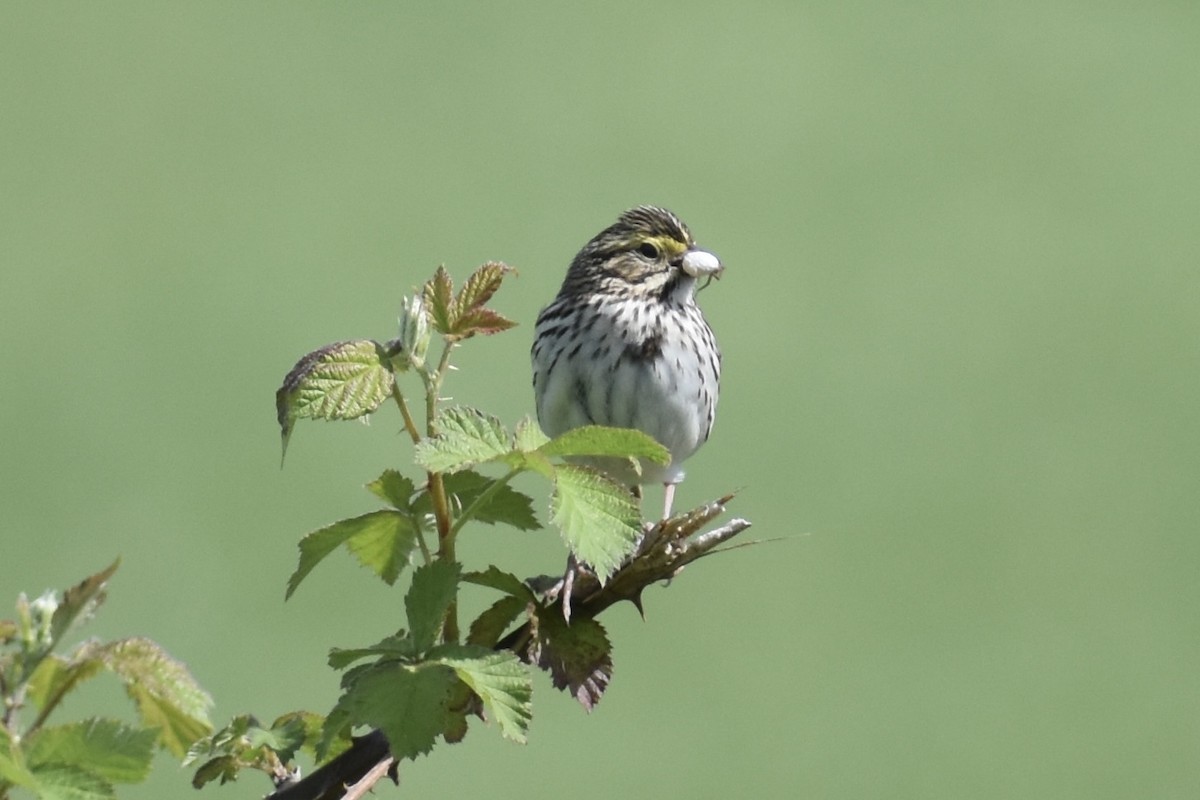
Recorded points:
(425,680)
(82,760)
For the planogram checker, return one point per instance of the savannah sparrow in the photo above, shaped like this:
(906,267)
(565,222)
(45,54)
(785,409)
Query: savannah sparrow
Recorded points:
(625,345)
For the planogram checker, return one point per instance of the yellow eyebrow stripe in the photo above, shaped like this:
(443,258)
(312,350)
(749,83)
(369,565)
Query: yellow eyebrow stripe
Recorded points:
(667,244)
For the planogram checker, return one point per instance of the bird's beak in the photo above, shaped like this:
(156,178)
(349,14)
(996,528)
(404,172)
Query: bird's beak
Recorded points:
(701,264)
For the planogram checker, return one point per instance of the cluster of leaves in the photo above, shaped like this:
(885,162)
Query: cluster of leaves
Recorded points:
(83,760)
(426,679)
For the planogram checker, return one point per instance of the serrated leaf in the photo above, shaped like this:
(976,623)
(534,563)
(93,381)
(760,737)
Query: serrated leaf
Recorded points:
(483,321)
(439,301)
(480,286)
(578,656)
(505,504)
(500,680)
(528,436)
(489,626)
(407,703)
(114,751)
(345,380)
(64,782)
(495,578)
(597,440)
(385,549)
(598,518)
(465,437)
(80,601)
(434,587)
(394,488)
(382,541)
(55,676)
(165,693)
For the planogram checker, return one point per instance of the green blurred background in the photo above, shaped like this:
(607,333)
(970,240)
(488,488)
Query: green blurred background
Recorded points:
(961,362)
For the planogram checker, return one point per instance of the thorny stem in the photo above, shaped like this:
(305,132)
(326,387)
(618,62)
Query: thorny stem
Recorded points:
(437,489)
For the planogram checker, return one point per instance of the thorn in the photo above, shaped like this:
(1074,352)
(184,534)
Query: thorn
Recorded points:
(637,603)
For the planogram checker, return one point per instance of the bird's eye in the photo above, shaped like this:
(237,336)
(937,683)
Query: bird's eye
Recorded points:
(648,250)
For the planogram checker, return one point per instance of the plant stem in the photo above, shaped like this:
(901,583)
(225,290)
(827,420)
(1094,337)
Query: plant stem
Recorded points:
(414,433)
(484,496)
(409,424)
(437,489)
(426,556)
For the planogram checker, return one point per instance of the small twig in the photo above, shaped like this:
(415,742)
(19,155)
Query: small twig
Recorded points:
(409,424)
(374,776)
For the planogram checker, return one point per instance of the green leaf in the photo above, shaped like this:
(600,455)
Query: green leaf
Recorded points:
(226,740)
(398,645)
(439,302)
(382,540)
(578,656)
(495,578)
(225,768)
(596,440)
(465,437)
(528,436)
(310,727)
(244,734)
(12,762)
(393,488)
(500,680)
(385,549)
(408,703)
(489,626)
(434,587)
(55,677)
(81,600)
(165,693)
(65,782)
(599,519)
(345,380)
(505,504)
(113,750)
(533,460)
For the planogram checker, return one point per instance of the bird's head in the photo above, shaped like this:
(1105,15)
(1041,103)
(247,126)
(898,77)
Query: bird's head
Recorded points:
(647,251)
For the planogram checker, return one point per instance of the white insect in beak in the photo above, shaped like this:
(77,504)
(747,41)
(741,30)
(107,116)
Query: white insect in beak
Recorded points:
(702,264)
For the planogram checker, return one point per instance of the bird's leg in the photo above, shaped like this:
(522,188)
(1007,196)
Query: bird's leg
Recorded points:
(668,499)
